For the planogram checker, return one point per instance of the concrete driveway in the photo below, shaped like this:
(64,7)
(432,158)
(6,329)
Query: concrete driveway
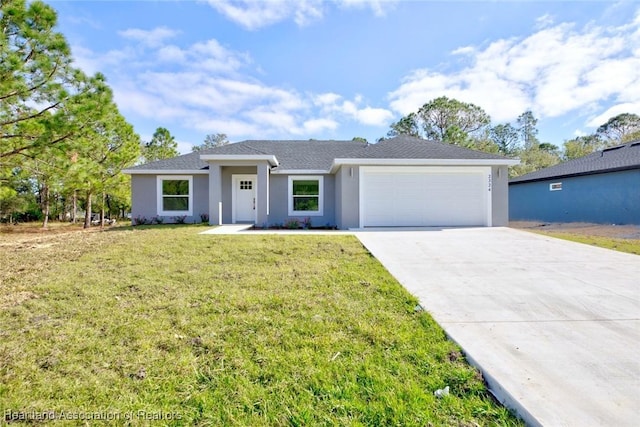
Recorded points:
(553,325)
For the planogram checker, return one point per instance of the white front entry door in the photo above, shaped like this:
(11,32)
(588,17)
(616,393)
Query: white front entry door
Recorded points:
(244,198)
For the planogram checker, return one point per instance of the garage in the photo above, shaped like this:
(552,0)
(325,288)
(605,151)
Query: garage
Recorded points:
(425,196)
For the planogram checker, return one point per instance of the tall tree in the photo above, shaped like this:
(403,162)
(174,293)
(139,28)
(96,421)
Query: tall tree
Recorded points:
(44,102)
(102,152)
(505,136)
(582,145)
(48,171)
(527,127)
(447,120)
(49,111)
(15,194)
(407,125)
(162,146)
(632,136)
(618,128)
(37,84)
(452,121)
(535,157)
(212,141)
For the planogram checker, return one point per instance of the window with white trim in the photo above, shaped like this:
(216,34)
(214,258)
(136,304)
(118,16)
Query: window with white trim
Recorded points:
(175,195)
(306,195)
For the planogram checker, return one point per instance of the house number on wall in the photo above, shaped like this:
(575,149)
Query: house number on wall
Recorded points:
(489,182)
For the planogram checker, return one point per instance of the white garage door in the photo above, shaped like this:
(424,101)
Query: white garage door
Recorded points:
(424,196)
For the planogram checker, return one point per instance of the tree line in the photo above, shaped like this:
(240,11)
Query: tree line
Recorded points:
(468,125)
(164,146)
(63,141)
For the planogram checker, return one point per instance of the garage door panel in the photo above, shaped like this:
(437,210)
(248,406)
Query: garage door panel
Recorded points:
(429,197)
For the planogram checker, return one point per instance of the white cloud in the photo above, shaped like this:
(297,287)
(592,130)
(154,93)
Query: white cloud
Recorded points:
(208,55)
(556,70)
(378,7)
(464,50)
(171,54)
(627,107)
(256,14)
(208,87)
(212,56)
(151,38)
(130,98)
(316,126)
(374,116)
(230,126)
(326,99)
(91,63)
(544,21)
(334,104)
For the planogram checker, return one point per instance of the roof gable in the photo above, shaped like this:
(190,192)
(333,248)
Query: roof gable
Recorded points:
(620,157)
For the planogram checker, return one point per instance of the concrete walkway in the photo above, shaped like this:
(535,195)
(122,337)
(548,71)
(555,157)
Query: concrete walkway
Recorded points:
(553,325)
(228,229)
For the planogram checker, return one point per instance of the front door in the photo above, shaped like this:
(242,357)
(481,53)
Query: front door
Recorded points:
(244,198)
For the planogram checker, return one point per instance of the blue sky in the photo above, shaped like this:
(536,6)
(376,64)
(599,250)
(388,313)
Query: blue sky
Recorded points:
(300,69)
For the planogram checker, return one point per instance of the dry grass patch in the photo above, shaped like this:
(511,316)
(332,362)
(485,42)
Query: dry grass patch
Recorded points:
(623,238)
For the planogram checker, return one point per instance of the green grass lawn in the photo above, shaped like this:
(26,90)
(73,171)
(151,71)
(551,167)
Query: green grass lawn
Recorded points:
(223,330)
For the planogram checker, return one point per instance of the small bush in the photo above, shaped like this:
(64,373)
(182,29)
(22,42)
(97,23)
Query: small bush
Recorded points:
(292,224)
(306,223)
(158,219)
(204,218)
(140,220)
(180,219)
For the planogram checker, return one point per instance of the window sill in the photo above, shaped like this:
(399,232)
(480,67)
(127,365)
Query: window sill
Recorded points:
(305,213)
(175,213)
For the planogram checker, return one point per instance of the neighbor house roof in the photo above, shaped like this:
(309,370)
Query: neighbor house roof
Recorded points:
(320,155)
(620,157)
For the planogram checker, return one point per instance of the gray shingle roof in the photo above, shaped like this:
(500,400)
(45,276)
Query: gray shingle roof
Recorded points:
(312,155)
(319,155)
(621,157)
(188,162)
(407,147)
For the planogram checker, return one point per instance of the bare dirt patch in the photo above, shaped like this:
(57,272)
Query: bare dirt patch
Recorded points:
(28,250)
(581,228)
(33,236)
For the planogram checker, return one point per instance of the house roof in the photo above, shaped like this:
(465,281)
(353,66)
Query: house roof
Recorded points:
(408,147)
(320,155)
(620,157)
(186,162)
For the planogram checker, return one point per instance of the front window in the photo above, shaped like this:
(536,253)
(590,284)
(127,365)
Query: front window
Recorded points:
(305,195)
(174,195)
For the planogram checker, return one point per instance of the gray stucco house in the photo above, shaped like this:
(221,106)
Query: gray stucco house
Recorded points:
(602,187)
(402,181)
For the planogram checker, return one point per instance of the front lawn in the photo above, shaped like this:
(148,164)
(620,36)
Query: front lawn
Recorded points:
(130,325)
